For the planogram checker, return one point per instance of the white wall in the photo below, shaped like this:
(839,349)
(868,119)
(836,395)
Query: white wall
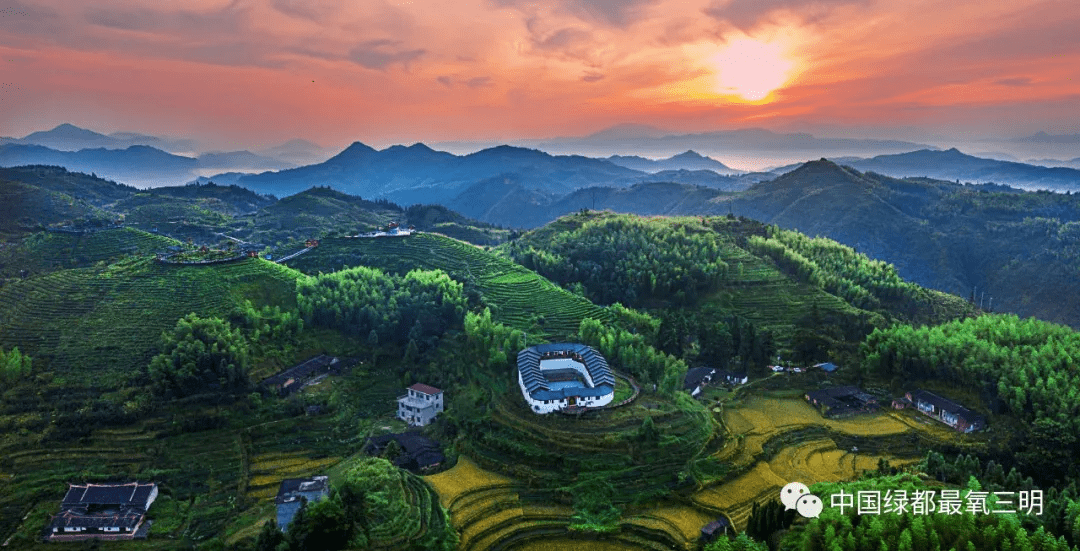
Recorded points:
(538,406)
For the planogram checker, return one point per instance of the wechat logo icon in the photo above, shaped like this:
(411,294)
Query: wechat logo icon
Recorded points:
(796,495)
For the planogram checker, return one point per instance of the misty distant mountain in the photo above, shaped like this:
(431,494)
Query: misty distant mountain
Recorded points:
(298,152)
(753,142)
(778,170)
(954,165)
(64,135)
(704,178)
(137,165)
(628,130)
(997,155)
(1044,138)
(688,160)
(240,160)
(419,174)
(1072,163)
(68,137)
(223,179)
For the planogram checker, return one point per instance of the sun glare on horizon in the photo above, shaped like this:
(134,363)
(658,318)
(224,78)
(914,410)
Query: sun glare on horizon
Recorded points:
(750,69)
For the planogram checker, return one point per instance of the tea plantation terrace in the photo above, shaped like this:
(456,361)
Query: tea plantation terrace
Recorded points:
(564,375)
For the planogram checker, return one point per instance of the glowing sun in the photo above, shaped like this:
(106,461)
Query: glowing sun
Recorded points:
(750,69)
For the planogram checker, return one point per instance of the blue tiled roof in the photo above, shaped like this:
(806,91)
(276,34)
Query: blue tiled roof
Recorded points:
(529,365)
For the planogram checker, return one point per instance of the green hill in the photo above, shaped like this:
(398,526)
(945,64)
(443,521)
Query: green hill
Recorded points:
(518,296)
(782,283)
(47,251)
(98,326)
(95,191)
(25,207)
(237,200)
(1019,247)
(149,210)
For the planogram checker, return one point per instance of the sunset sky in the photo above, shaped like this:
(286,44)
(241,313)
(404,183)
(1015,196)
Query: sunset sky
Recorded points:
(249,73)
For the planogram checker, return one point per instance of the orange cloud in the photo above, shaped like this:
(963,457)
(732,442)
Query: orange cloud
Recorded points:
(398,70)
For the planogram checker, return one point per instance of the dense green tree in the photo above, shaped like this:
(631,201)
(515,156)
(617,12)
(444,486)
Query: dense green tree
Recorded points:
(419,306)
(1026,366)
(201,355)
(629,259)
(270,537)
(270,325)
(742,542)
(633,354)
(14,366)
(768,518)
(320,526)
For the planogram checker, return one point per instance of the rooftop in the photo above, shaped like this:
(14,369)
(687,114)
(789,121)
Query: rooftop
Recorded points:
(695,375)
(944,404)
(104,505)
(426,389)
(539,387)
(292,487)
(419,451)
(129,494)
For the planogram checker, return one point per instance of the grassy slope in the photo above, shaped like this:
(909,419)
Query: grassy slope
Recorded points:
(24,206)
(96,325)
(48,251)
(95,191)
(756,289)
(518,294)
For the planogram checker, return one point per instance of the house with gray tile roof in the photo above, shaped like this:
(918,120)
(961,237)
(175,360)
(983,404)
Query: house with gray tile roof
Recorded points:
(563,375)
(103,511)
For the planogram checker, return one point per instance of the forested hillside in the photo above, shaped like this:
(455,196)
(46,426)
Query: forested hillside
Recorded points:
(725,286)
(1017,247)
(1024,367)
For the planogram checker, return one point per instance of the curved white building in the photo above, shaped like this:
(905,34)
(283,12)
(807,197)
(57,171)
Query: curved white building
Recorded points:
(561,375)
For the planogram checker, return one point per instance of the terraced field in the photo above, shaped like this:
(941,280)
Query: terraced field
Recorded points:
(542,449)
(805,451)
(464,479)
(104,323)
(757,290)
(210,481)
(48,251)
(683,520)
(519,295)
(267,470)
(493,512)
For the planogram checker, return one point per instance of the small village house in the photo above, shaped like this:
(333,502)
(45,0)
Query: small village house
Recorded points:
(103,511)
(946,411)
(841,401)
(418,453)
(294,492)
(420,405)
